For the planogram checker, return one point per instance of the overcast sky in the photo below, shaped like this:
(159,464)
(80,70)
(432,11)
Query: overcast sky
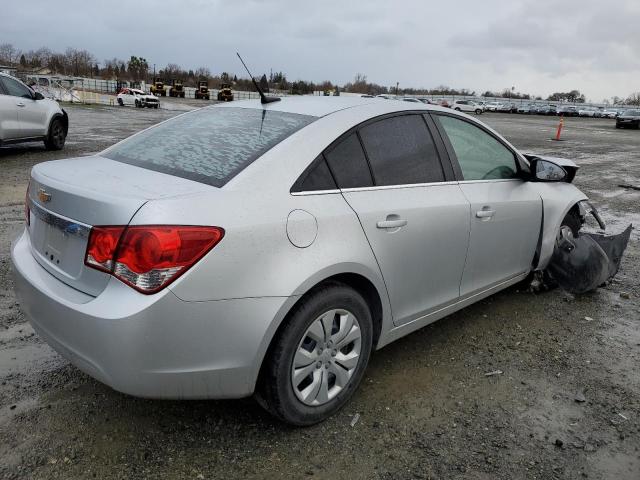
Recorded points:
(538,46)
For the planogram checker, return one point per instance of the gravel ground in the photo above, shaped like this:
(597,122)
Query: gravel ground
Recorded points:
(566,406)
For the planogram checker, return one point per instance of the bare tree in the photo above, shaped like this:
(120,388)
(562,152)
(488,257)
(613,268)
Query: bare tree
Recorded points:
(633,99)
(9,54)
(202,73)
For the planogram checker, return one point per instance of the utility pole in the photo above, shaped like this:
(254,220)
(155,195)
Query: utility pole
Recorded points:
(397,86)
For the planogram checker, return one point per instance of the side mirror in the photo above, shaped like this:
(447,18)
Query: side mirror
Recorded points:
(546,171)
(38,96)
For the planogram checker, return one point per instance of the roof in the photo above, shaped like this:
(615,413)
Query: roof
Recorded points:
(320,106)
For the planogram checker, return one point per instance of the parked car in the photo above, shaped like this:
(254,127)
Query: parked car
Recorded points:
(542,110)
(586,112)
(411,99)
(524,108)
(243,248)
(506,108)
(567,110)
(467,106)
(547,109)
(609,113)
(26,116)
(629,119)
(492,106)
(137,98)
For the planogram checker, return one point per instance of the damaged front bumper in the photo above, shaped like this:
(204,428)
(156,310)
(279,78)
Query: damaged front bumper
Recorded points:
(584,261)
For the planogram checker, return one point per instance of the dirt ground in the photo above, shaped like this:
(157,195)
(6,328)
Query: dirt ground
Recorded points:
(567,405)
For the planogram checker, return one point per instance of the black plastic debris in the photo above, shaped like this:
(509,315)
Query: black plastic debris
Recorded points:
(583,263)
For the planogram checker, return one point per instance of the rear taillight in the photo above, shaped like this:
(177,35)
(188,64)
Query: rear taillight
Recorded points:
(148,258)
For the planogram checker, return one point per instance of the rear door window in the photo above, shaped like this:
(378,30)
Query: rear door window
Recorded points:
(210,145)
(316,177)
(401,151)
(348,163)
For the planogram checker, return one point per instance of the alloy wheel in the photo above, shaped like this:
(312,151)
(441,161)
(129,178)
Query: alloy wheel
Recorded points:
(326,357)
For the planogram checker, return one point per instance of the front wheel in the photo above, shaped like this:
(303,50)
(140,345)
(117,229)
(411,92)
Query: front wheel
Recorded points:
(457,109)
(56,136)
(318,359)
(120,102)
(478,111)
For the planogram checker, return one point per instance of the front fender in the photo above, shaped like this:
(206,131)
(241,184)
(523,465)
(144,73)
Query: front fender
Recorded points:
(557,199)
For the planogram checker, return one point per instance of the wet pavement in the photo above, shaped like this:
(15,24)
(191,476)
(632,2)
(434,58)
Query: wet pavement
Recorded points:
(566,405)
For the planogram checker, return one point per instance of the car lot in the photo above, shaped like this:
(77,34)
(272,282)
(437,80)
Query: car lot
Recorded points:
(426,408)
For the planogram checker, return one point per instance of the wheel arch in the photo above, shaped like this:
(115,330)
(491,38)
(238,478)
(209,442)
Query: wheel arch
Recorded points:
(65,121)
(371,288)
(558,199)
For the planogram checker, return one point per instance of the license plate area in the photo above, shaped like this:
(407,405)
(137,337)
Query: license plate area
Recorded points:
(58,242)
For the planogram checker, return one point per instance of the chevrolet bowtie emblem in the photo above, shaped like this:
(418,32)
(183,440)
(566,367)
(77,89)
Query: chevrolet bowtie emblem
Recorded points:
(44,196)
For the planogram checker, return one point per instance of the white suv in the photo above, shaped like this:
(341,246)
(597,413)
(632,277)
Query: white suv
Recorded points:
(26,116)
(467,106)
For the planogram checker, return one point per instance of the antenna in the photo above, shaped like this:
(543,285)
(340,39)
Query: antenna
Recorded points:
(263,97)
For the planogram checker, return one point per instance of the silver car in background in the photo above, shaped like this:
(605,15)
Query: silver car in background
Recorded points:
(268,249)
(26,116)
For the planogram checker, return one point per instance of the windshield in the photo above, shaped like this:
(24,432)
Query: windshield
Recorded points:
(632,113)
(210,145)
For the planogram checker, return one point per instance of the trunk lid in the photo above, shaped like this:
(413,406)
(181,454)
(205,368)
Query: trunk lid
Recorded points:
(68,197)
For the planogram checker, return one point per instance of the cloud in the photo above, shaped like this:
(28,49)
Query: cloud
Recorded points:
(540,46)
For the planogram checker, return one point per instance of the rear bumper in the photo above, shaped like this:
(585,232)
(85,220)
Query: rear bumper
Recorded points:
(154,346)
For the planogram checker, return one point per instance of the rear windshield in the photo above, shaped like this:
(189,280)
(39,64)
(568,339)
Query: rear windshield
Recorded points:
(210,145)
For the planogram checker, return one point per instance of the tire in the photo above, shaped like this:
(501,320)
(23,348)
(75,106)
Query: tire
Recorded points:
(137,104)
(156,106)
(56,135)
(478,111)
(457,109)
(120,102)
(318,394)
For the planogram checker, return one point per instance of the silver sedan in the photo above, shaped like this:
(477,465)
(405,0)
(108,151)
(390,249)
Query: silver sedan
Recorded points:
(267,249)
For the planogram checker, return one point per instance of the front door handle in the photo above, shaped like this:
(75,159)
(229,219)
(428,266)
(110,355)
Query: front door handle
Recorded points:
(20,104)
(485,213)
(391,223)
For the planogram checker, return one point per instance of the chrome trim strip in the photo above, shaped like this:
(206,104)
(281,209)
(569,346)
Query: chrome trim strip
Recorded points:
(394,187)
(492,180)
(68,226)
(315,192)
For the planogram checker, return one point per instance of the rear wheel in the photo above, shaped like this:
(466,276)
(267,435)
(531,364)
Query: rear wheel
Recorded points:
(318,359)
(120,102)
(457,109)
(56,135)
(478,111)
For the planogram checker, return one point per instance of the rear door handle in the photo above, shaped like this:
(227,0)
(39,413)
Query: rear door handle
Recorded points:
(391,223)
(485,213)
